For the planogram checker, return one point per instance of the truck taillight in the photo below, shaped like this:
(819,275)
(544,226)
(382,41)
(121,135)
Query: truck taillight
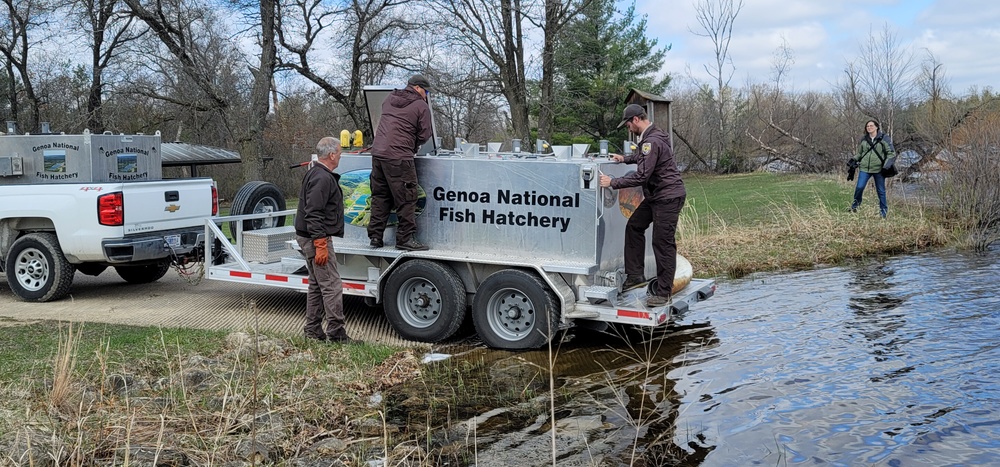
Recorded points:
(111,209)
(215,201)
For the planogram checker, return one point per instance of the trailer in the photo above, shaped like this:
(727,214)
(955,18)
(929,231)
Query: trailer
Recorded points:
(523,243)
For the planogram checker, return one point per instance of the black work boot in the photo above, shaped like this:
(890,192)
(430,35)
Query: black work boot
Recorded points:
(632,281)
(412,245)
(654,301)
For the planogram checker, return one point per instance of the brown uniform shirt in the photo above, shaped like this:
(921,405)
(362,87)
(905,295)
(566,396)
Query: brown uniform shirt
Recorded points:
(656,170)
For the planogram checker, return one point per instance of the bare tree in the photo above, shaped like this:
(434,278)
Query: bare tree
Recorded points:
(467,104)
(173,23)
(557,14)
(970,188)
(717,18)
(252,141)
(372,32)
(879,82)
(18,18)
(492,32)
(791,129)
(109,26)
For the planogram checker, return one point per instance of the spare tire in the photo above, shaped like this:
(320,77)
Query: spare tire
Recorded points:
(256,198)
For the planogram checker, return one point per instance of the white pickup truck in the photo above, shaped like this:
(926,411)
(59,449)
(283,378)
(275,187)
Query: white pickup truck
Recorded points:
(85,202)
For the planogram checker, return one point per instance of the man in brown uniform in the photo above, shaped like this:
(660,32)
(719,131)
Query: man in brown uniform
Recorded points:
(664,194)
(405,125)
(319,217)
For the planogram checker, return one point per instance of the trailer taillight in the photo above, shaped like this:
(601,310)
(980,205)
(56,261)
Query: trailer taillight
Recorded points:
(215,201)
(111,209)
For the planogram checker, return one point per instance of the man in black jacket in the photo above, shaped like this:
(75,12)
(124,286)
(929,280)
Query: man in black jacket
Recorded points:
(664,194)
(319,217)
(404,126)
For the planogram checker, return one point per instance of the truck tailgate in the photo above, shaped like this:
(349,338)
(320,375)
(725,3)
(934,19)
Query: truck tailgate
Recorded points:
(166,204)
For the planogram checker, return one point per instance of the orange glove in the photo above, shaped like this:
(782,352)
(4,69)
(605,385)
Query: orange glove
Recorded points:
(322,254)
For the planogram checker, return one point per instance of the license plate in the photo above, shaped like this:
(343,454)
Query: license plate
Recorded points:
(173,240)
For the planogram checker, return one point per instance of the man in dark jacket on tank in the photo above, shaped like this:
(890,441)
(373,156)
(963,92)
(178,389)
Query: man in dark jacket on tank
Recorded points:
(664,194)
(405,125)
(319,217)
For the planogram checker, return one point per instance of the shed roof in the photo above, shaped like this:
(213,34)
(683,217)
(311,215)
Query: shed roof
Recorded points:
(176,154)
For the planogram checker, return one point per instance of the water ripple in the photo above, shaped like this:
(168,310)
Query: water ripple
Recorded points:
(885,362)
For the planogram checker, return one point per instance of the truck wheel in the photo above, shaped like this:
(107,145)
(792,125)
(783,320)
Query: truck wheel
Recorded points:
(36,269)
(143,274)
(514,310)
(424,301)
(256,198)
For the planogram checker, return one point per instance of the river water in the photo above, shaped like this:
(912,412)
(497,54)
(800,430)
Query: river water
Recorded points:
(881,362)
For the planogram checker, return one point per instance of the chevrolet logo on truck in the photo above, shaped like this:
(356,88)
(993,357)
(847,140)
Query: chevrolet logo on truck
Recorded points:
(171,208)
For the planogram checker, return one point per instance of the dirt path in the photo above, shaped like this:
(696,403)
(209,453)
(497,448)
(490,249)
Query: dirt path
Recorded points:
(173,302)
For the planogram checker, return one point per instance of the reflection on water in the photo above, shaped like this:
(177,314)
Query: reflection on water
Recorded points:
(885,362)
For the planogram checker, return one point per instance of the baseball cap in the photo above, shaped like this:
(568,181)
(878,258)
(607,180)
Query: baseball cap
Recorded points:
(419,80)
(632,111)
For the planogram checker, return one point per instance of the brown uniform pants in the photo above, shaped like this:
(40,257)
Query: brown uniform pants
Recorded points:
(393,185)
(325,299)
(663,215)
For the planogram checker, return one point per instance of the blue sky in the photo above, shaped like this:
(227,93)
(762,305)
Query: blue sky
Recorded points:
(824,35)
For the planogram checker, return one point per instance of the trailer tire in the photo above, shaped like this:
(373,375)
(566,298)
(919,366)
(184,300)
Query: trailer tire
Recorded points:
(143,274)
(37,270)
(514,310)
(425,301)
(257,197)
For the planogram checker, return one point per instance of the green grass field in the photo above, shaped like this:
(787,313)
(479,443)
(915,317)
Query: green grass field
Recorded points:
(759,198)
(733,225)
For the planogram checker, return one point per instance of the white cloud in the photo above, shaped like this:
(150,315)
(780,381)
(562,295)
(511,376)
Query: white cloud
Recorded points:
(825,35)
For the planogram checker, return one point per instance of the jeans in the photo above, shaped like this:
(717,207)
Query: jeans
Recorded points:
(859,189)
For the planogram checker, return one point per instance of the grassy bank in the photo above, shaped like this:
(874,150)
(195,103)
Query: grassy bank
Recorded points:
(95,394)
(737,224)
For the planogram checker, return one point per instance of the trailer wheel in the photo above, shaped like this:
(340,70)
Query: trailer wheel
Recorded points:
(425,301)
(257,197)
(143,274)
(36,269)
(514,310)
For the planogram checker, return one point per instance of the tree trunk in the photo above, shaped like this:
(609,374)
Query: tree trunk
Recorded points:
(253,155)
(95,116)
(515,88)
(546,104)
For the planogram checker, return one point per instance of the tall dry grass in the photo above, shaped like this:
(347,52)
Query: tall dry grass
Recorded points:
(794,237)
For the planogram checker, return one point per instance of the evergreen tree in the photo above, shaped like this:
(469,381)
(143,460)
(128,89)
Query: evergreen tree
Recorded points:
(603,54)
